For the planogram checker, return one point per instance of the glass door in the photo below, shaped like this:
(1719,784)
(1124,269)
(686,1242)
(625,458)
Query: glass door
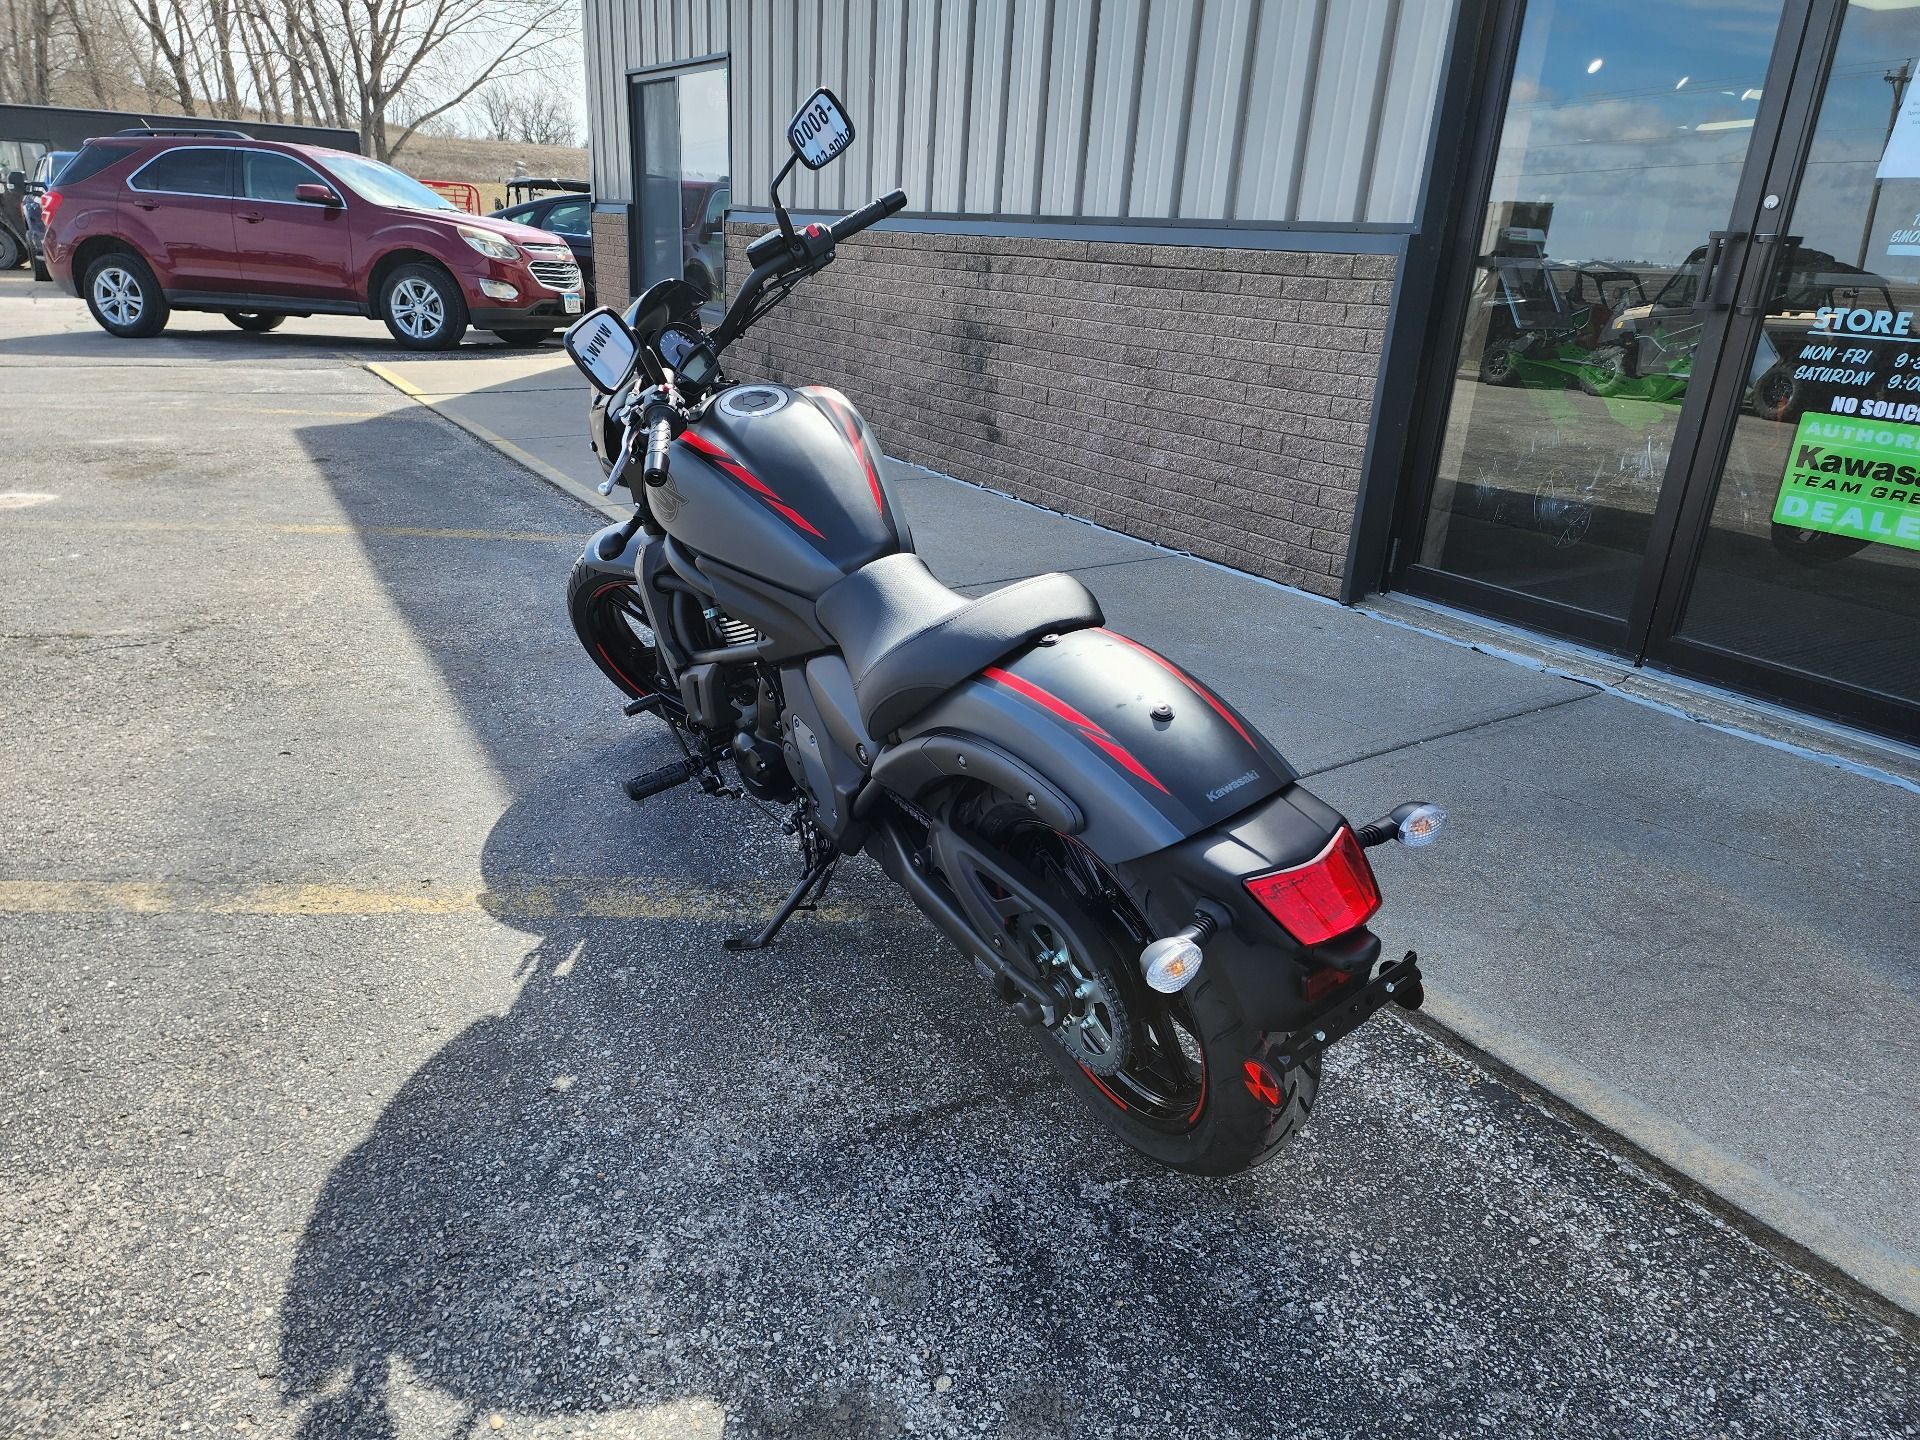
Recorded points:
(1797,569)
(681,181)
(1596,305)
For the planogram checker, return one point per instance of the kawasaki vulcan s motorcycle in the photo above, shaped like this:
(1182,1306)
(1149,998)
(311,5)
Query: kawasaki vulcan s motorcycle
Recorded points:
(1131,866)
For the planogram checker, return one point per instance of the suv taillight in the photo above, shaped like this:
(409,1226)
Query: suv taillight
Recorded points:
(1329,895)
(49,203)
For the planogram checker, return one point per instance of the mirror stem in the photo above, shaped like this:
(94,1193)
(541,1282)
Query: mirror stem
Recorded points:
(779,210)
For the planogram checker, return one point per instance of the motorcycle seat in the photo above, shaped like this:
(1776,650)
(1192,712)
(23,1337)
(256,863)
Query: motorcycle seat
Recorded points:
(908,639)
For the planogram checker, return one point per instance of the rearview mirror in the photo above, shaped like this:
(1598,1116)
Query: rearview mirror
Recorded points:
(310,193)
(821,131)
(606,351)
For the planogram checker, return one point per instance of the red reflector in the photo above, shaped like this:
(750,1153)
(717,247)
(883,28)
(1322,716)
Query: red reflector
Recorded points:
(1329,895)
(1260,1083)
(1320,982)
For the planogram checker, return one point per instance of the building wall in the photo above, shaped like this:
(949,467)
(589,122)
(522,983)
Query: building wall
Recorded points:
(623,35)
(1238,111)
(1215,400)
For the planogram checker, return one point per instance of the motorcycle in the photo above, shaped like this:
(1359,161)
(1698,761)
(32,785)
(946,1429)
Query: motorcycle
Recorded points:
(1129,864)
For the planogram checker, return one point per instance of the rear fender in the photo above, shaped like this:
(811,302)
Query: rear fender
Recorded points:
(1183,810)
(1125,750)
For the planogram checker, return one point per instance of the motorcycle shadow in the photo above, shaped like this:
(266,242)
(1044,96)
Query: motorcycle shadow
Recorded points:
(667,1178)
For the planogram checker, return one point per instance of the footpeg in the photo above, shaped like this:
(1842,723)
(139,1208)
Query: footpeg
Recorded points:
(642,787)
(650,701)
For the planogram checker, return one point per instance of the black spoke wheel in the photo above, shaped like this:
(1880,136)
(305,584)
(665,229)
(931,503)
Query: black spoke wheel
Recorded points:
(612,625)
(1179,1091)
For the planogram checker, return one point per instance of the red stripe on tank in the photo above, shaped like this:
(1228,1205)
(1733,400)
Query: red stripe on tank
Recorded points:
(720,458)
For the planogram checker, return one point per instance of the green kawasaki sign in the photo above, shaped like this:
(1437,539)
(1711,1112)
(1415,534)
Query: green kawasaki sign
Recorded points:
(1848,476)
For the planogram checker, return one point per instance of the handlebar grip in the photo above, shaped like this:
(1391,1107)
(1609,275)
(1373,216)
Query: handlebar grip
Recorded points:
(866,215)
(658,439)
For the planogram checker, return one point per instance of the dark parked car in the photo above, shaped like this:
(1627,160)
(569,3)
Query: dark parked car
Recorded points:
(44,175)
(568,214)
(146,222)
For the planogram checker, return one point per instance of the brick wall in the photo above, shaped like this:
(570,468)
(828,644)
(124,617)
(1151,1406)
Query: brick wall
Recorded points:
(610,260)
(1213,400)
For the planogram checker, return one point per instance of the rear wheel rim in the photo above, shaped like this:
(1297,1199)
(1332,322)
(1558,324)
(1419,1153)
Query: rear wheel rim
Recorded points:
(117,294)
(418,309)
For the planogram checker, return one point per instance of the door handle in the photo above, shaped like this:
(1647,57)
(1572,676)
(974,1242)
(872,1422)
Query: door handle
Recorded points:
(253,219)
(1717,243)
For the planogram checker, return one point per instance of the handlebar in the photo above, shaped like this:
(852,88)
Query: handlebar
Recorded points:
(869,214)
(659,419)
(773,257)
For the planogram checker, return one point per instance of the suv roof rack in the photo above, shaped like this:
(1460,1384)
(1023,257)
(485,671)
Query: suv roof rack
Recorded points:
(185,130)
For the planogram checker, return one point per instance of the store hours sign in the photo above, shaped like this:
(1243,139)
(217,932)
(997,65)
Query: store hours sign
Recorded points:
(1851,475)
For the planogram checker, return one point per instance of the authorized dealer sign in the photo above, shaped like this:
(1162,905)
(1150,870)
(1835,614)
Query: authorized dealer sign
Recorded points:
(1851,476)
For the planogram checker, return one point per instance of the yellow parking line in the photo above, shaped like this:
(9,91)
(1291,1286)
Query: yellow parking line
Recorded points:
(560,481)
(514,898)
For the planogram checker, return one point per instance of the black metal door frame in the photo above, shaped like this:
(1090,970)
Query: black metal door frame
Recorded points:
(1783,132)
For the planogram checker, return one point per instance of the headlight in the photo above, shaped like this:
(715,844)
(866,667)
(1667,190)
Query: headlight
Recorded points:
(489,244)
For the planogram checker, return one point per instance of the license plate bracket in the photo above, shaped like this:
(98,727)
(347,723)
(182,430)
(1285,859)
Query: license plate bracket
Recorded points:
(1399,983)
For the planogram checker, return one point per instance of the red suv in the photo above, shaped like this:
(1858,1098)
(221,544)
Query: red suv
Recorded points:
(147,222)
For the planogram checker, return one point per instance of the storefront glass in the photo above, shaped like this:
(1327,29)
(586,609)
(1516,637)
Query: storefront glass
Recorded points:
(1812,558)
(1627,126)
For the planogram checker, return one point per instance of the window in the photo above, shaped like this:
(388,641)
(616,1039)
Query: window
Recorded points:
(569,217)
(91,161)
(190,170)
(272,176)
(384,185)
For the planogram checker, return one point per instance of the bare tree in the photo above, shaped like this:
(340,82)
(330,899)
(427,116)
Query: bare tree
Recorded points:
(530,114)
(388,69)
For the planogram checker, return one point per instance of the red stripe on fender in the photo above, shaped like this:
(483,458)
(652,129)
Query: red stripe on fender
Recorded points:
(1091,732)
(705,447)
(843,417)
(1186,680)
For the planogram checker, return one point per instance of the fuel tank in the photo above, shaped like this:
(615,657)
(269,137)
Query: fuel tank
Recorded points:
(782,483)
(1144,754)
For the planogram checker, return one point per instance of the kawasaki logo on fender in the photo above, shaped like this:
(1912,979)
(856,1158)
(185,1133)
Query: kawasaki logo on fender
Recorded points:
(1847,476)
(1234,784)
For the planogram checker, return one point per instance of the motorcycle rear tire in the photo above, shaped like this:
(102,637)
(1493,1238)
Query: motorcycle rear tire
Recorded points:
(1231,1129)
(600,605)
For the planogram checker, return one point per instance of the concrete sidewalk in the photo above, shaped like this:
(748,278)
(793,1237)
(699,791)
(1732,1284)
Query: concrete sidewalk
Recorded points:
(1688,917)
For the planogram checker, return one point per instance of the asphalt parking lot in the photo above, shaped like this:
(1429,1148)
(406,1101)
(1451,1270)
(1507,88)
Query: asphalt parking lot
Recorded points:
(373,1067)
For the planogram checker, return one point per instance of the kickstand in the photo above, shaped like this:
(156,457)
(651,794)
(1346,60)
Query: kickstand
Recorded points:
(812,884)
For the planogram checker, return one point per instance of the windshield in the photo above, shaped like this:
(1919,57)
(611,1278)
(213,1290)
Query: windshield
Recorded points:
(384,185)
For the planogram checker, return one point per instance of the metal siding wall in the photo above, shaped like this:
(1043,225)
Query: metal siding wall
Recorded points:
(1069,82)
(1220,71)
(1314,111)
(1163,106)
(623,35)
(1345,97)
(1285,46)
(1400,153)
(1029,56)
(1116,60)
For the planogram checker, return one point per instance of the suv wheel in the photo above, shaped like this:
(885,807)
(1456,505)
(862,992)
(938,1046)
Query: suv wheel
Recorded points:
(423,308)
(12,252)
(124,297)
(253,321)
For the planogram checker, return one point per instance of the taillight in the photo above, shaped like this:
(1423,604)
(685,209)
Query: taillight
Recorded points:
(49,203)
(1329,895)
